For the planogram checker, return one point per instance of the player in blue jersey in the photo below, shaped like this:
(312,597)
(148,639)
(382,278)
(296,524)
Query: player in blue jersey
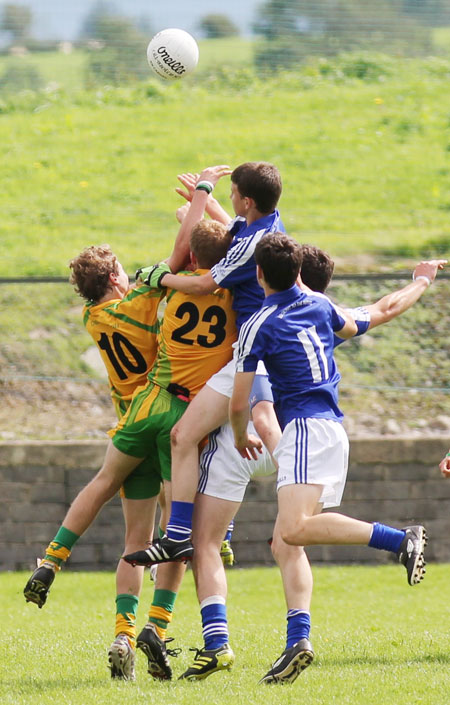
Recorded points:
(293,334)
(224,476)
(255,192)
(317,270)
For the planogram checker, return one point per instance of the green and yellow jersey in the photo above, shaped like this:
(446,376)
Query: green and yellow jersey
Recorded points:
(195,338)
(125,332)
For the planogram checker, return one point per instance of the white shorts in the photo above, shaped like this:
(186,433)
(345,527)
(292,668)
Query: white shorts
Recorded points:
(314,452)
(224,473)
(223,380)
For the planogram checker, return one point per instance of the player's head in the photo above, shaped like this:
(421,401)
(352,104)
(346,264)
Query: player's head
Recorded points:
(317,268)
(96,272)
(280,259)
(209,242)
(259,181)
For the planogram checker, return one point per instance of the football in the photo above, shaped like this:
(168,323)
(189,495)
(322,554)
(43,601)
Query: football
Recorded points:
(172,54)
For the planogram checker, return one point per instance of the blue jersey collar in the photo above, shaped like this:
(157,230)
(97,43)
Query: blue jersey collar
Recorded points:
(284,297)
(266,222)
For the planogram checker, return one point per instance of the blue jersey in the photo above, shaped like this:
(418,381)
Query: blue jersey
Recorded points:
(361,317)
(262,390)
(293,333)
(237,270)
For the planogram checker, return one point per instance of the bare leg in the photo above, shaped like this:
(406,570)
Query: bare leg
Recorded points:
(298,525)
(295,572)
(87,504)
(169,576)
(206,412)
(163,508)
(139,517)
(211,518)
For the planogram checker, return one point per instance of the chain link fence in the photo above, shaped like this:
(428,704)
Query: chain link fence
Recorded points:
(395,379)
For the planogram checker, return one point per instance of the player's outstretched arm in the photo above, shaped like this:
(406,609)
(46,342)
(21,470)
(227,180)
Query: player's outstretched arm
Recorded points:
(399,301)
(203,284)
(349,328)
(444,465)
(181,248)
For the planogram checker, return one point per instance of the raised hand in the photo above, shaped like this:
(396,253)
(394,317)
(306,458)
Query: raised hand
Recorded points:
(429,268)
(214,173)
(189,181)
(182,211)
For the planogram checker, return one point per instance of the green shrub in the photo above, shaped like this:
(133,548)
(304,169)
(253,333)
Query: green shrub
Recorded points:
(19,76)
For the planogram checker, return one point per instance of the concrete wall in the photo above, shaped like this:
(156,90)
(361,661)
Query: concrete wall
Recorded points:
(393,480)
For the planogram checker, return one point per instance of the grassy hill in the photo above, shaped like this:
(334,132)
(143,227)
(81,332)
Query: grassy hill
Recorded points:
(362,144)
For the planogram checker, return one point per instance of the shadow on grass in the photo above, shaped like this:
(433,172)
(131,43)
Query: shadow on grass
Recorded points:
(368,660)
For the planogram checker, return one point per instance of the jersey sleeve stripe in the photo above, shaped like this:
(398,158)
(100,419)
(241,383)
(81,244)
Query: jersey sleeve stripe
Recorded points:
(249,331)
(143,290)
(236,257)
(122,317)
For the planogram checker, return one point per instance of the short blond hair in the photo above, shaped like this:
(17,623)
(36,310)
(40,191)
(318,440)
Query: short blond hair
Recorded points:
(210,241)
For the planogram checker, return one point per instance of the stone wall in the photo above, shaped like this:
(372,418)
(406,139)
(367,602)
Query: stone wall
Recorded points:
(393,480)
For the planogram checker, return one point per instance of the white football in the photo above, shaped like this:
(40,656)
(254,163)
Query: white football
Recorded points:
(172,53)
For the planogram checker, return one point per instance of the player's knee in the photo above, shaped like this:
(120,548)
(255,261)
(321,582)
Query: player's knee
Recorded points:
(178,437)
(283,552)
(182,436)
(292,533)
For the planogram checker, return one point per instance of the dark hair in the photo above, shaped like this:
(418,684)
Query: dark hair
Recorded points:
(280,258)
(260,181)
(91,270)
(317,268)
(209,242)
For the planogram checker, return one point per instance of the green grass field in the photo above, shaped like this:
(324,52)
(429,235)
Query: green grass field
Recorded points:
(376,639)
(364,161)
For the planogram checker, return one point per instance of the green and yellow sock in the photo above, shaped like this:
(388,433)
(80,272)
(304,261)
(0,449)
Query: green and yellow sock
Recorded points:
(59,549)
(126,610)
(160,613)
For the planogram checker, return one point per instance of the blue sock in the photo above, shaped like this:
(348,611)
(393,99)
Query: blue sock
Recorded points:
(180,523)
(214,620)
(298,626)
(229,533)
(386,538)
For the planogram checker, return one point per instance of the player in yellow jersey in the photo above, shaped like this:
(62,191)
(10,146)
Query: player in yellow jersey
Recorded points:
(118,465)
(123,323)
(196,337)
